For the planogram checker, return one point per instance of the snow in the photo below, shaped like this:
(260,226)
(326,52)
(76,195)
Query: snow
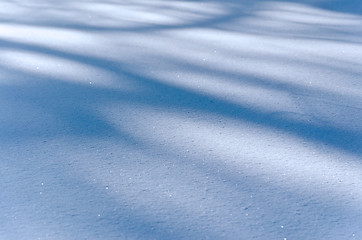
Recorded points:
(168,119)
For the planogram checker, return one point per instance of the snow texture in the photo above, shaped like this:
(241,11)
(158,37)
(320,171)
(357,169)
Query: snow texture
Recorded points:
(160,119)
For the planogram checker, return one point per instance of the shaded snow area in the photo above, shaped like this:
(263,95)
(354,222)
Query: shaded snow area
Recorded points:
(160,119)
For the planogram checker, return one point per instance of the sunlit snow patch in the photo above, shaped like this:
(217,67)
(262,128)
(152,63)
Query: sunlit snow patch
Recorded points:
(54,67)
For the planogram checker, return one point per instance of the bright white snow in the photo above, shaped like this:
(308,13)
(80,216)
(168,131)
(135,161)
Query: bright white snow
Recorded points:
(166,119)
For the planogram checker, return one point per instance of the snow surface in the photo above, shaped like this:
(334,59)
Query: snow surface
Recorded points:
(160,119)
